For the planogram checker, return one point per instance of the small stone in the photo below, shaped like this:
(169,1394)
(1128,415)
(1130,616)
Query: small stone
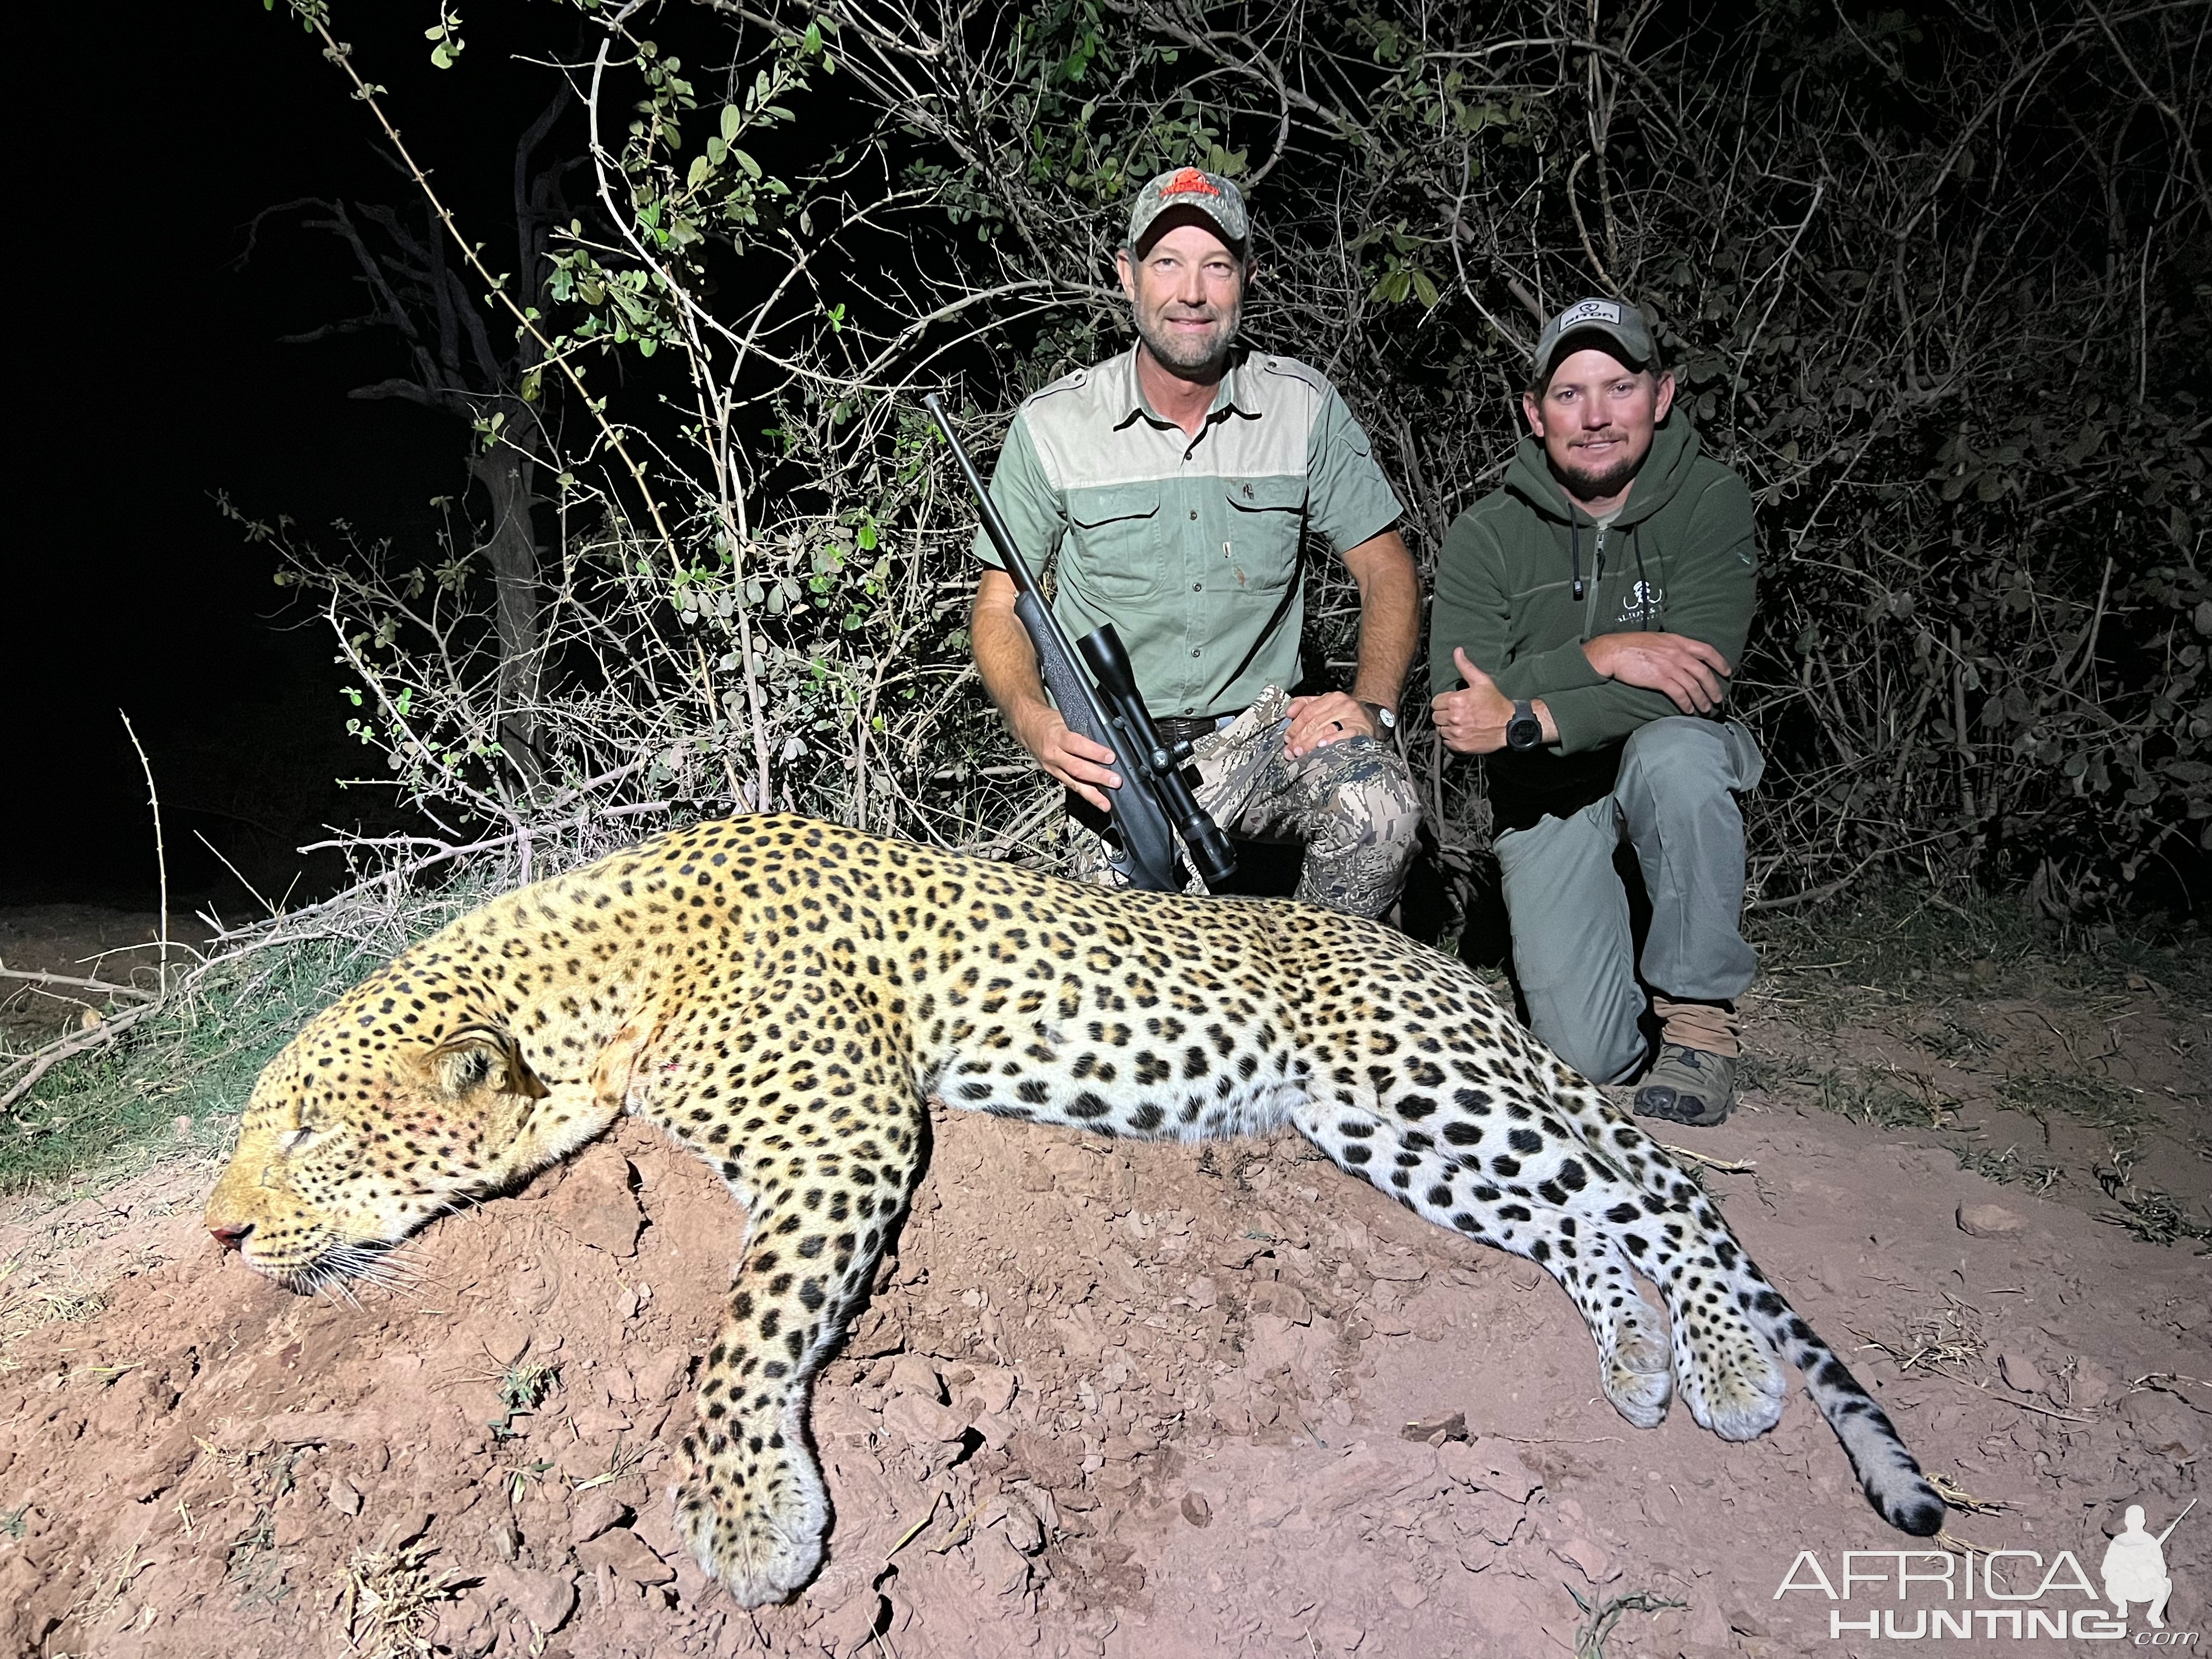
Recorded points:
(854,1625)
(1437,1430)
(2019,1372)
(405,1528)
(597,1511)
(629,1557)
(1023,1530)
(992,1388)
(1001,1566)
(1195,1509)
(1989,1221)
(1592,1563)
(345,1497)
(1488,1465)
(922,1421)
(505,1339)
(544,1599)
(2094,1384)
(916,1374)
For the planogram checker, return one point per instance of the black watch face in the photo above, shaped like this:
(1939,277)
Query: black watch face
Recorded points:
(1523,732)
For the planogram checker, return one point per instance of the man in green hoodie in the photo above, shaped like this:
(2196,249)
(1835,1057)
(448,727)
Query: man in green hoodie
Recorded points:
(1588,615)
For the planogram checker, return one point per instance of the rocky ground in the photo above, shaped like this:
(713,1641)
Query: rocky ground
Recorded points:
(1115,1399)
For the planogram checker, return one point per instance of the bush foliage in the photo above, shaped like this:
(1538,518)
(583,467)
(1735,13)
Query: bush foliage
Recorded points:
(1934,280)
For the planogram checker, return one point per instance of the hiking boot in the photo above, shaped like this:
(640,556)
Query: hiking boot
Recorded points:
(1694,1080)
(1688,1085)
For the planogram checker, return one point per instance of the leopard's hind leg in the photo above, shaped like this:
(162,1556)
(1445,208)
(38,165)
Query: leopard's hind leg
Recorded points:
(822,1146)
(1434,1168)
(1733,1327)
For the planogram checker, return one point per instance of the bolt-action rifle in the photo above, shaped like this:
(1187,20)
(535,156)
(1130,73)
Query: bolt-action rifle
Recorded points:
(1105,707)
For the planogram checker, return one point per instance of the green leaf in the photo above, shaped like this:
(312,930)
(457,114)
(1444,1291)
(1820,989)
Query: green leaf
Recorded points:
(733,124)
(747,162)
(702,169)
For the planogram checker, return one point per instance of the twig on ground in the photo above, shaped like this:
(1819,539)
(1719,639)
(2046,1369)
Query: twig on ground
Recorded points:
(33,978)
(1725,1165)
(42,1061)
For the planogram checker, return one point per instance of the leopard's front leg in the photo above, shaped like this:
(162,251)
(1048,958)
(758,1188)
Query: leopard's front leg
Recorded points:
(822,1149)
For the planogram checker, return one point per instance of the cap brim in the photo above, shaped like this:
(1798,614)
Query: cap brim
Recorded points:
(1183,213)
(1588,335)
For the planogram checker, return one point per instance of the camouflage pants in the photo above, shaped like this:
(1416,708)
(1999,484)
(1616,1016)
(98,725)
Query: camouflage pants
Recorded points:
(1351,802)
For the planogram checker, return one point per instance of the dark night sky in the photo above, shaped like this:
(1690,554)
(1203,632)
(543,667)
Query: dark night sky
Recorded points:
(151,378)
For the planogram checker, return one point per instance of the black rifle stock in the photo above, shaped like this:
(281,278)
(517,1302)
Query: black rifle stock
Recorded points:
(1111,712)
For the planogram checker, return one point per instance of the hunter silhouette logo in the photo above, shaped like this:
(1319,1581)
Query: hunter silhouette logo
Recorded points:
(2135,1566)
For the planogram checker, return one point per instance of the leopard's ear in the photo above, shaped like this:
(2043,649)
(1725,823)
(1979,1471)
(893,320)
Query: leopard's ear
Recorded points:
(474,1055)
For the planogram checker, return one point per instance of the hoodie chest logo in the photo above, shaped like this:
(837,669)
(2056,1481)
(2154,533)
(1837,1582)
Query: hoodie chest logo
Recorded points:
(1643,600)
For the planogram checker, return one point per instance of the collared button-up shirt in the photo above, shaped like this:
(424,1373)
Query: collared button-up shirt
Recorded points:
(1189,545)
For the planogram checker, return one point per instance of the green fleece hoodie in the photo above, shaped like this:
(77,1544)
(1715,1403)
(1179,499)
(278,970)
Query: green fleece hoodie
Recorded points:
(1681,557)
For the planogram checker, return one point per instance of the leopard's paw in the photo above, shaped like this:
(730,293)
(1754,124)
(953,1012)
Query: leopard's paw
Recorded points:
(759,1533)
(1731,1379)
(1638,1372)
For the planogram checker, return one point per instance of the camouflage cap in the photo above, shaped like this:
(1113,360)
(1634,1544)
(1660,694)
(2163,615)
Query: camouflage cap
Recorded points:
(1620,326)
(1207,193)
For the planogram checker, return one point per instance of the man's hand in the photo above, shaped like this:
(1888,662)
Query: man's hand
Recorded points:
(1472,720)
(1688,672)
(1082,765)
(1326,718)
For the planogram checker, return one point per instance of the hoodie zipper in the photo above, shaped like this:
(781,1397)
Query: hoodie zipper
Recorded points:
(1592,611)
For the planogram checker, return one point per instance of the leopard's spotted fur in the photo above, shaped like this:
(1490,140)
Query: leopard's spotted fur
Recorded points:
(783,995)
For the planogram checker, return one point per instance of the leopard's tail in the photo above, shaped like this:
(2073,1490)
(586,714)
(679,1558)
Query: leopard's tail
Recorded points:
(1887,1469)
(1888,1472)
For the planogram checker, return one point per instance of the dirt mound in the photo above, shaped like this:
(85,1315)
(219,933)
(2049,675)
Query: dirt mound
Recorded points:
(1108,1398)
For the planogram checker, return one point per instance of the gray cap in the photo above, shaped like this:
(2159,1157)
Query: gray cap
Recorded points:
(1620,326)
(1207,193)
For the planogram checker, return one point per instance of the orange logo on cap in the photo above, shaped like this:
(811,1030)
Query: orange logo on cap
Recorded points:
(1190,181)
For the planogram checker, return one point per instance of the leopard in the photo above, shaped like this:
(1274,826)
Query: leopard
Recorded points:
(785,997)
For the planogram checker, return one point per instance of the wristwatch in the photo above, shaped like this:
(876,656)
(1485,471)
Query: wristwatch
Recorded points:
(1524,730)
(1386,718)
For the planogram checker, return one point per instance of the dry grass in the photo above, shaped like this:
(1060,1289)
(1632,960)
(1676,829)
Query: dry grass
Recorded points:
(389,1603)
(1942,1343)
(1599,1618)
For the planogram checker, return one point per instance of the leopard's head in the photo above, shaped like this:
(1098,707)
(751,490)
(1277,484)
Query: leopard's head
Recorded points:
(368,1124)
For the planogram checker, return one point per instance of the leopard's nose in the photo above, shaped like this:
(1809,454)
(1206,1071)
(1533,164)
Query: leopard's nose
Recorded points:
(228,1235)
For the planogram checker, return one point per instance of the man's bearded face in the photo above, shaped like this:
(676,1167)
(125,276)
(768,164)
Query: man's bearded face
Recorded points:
(1595,421)
(1187,292)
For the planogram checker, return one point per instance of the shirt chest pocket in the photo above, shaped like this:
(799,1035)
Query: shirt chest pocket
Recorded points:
(1266,516)
(1114,534)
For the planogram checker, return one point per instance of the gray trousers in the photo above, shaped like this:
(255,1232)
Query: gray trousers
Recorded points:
(1674,803)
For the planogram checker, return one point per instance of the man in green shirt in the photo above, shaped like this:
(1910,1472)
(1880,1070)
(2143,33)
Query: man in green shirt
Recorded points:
(1588,615)
(1175,485)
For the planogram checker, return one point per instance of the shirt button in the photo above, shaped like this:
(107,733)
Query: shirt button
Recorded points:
(1194,651)
(1194,512)
(1197,587)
